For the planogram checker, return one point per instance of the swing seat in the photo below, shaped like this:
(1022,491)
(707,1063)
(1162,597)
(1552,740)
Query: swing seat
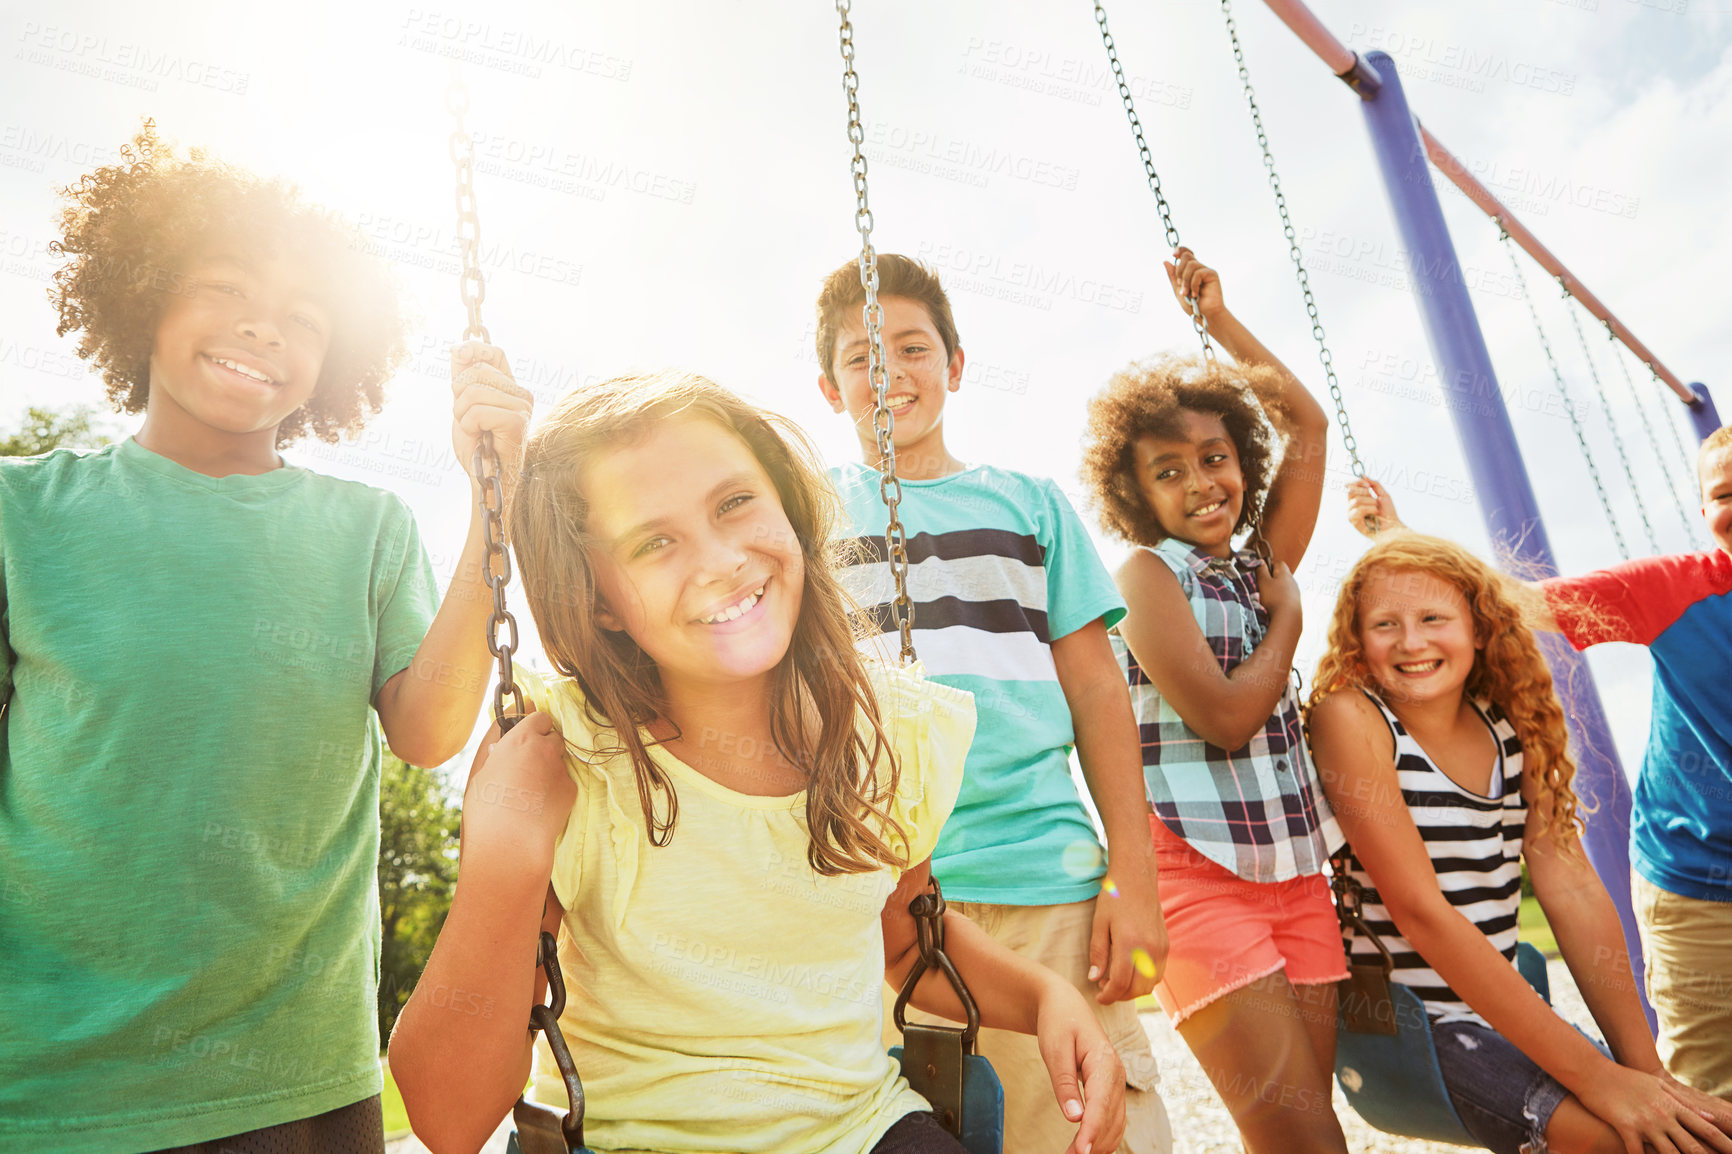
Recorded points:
(1393,1080)
(538,1131)
(977,1111)
(980,1106)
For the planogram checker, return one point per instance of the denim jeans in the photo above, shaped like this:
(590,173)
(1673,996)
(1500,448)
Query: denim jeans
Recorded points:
(1502,1097)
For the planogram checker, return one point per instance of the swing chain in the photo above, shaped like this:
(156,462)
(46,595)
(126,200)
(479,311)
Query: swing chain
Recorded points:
(1350,905)
(1198,321)
(472,288)
(545,1017)
(1677,439)
(1672,486)
(883,420)
(486,466)
(1671,421)
(1606,403)
(1293,248)
(927,909)
(1570,406)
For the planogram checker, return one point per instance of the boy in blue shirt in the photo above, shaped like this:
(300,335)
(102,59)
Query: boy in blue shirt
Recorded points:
(1012,604)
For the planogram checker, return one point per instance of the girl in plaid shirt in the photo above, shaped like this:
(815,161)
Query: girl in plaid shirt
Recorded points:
(1183,456)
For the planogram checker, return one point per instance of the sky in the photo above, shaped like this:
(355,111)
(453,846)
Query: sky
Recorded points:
(666,185)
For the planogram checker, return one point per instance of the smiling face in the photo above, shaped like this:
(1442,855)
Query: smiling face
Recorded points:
(1417,634)
(694,556)
(919,374)
(1715,473)
(1193,483)
(239,349)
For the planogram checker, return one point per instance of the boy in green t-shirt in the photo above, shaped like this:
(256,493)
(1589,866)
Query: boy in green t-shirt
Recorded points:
(1012,604)
(196,637)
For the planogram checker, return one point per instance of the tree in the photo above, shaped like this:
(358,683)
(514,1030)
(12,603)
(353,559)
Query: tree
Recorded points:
(417,871)
(46,429)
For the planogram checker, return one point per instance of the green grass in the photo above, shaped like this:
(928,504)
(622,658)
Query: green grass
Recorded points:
(396,1117)
(1534,928)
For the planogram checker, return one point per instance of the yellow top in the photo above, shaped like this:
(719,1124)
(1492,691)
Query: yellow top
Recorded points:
(722,996)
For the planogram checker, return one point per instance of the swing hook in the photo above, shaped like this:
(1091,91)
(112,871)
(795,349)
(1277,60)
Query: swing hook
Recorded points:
(537,1126)
(928,911)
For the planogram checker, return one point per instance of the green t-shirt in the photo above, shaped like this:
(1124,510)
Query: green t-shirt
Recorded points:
(189,793)
(999,567)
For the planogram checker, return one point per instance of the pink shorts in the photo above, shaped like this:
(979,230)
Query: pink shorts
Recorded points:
(1224,932)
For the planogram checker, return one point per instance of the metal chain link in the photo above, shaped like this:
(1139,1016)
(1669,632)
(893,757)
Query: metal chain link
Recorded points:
(1564,391)
(496,564)
(1293,249)
(1606,404)
(1198,322)
(1684,457)
(1672,485)
(883,420)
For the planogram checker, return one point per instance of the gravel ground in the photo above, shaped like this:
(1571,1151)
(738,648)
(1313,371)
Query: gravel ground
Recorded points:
(1201,1124)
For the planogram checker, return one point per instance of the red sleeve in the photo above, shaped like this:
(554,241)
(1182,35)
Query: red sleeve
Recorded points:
(1636,601)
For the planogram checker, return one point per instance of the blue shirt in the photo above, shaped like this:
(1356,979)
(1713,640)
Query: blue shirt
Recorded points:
(1680,607)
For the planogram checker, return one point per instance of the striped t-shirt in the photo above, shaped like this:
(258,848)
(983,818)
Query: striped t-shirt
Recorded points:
(1475,845)
(999,566)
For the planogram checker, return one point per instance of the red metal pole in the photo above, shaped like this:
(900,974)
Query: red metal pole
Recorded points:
(1444,161)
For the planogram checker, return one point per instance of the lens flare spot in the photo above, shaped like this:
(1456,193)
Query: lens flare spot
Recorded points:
(1145,965)
(1109,888)
(1082,859)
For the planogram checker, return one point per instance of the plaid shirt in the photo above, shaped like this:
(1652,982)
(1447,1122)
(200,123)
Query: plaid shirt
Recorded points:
(1258,810)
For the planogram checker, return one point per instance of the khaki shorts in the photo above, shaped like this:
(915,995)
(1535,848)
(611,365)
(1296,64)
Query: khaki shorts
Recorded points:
(1058,938)
(1688,943)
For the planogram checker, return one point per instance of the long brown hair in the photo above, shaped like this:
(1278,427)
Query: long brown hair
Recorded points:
(822,676)
(1508,671)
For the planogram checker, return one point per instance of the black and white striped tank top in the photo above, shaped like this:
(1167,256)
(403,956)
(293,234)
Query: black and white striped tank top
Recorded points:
(1475,845)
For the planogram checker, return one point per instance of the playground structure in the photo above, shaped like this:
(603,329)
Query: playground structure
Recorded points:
(1507,503)
(1406,152)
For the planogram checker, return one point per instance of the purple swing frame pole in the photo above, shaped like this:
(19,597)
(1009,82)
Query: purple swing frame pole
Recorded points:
(1704,416)
(1488,440)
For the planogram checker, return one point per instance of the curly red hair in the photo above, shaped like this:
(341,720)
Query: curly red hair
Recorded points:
(1509,671)
(128,231)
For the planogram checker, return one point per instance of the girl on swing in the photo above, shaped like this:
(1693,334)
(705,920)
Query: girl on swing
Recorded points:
(721,808)
(1444,751)
(1183,457)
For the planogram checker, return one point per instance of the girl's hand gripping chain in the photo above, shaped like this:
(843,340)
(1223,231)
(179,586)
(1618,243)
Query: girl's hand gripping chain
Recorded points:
(1278,589)
(520,793)
(485,399)
(1370,509)
(1192,280)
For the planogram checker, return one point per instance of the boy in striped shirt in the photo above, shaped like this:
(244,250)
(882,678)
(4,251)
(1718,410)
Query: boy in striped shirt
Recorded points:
(1011,603)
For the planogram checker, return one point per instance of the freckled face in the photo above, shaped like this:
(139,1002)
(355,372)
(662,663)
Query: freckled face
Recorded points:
(1417,633)
(695,558)
(1193,483)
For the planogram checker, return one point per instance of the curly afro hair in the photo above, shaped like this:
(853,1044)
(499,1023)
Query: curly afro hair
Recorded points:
(1149,398)
(128,231)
